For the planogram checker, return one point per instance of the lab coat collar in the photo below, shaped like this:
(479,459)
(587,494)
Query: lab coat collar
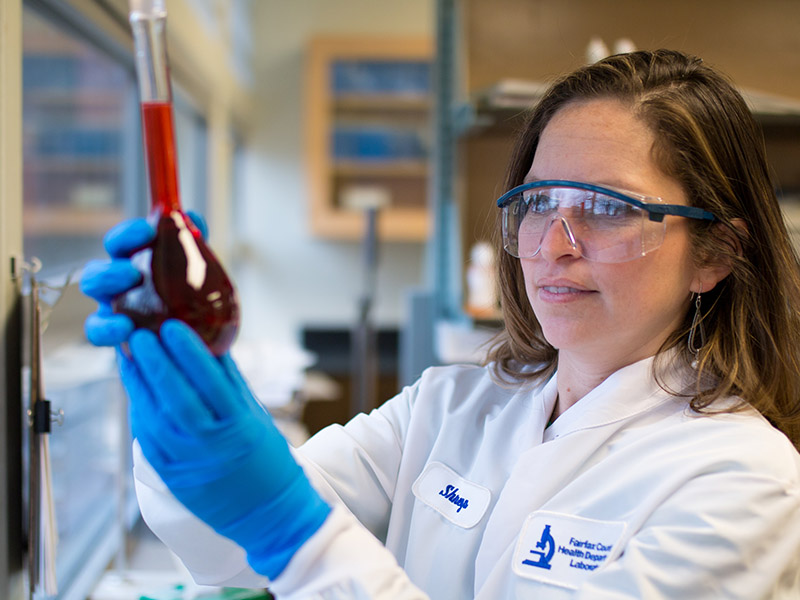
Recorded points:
(625,393)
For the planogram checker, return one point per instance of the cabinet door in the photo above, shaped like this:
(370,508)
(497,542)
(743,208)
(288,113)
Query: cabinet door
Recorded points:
(369,135)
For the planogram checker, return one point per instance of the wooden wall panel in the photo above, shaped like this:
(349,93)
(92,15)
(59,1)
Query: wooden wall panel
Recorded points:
(755,43)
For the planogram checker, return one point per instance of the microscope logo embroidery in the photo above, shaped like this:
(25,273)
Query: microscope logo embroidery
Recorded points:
(546,548)
(563,549)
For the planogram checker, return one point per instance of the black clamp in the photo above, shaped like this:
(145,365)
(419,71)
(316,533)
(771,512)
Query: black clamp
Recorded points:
(42,417)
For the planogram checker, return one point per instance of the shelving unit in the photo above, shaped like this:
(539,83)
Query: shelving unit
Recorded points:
(367,119)
(79,130)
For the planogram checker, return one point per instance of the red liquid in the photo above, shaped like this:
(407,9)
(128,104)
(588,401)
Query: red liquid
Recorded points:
(182,279)
(159,148)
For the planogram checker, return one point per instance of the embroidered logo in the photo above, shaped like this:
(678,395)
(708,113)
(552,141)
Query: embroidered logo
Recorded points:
(563,549)
(548,547)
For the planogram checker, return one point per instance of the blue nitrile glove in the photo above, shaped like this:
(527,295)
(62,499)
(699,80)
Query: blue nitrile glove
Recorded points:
(103,280)
(216,448)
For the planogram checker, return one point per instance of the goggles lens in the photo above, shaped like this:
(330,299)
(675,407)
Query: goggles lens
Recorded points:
(604,225)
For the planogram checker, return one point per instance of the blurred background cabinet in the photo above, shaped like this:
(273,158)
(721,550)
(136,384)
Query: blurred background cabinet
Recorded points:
(368,135)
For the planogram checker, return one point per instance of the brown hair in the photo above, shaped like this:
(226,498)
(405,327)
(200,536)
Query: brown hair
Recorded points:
(707,139)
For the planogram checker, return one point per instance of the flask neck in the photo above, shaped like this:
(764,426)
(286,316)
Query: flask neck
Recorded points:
(150,54)
(162,161)
(155,94)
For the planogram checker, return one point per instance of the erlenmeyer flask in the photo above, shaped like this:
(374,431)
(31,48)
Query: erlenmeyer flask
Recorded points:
(182,278)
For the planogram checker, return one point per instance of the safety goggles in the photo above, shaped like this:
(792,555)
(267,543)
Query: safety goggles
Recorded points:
(604,224)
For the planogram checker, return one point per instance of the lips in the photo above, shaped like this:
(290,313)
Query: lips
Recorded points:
(561,286)
(560,289)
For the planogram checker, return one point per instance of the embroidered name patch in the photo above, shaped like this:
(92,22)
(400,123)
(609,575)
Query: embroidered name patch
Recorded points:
(564,549)
(458,500)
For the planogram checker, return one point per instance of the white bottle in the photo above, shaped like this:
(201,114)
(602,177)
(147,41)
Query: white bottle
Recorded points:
(482,281)
(596,50)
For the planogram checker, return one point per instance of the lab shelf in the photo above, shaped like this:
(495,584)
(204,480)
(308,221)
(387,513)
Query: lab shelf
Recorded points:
(368,123)
(381,168)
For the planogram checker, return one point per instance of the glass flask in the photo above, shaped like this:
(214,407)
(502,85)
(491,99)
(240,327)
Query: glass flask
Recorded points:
(182,278)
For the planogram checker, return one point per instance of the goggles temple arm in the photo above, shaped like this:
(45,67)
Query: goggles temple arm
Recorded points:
(656,212)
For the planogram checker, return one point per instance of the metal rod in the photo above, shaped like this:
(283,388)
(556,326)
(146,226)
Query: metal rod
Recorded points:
(34,465)
(364,351)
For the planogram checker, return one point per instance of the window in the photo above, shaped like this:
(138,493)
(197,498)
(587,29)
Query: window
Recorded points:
(82,173)
(81,170)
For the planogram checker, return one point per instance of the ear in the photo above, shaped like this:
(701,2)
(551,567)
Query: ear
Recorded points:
(718,267)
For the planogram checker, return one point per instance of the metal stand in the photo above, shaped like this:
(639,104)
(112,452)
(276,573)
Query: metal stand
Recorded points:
(39,421)
(364,347)
(41,520)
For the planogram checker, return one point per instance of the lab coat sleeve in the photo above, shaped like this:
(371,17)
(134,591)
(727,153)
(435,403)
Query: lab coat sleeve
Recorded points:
(210,558)
(342,560)
(724,535)
(357,464)
(353,467)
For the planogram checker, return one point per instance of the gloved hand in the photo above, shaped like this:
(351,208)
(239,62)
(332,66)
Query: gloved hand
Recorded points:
(103,280)
(216,449)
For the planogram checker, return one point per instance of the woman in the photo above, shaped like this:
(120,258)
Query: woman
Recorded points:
(624,439)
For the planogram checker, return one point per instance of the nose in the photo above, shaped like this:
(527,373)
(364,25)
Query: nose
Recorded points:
(558,240)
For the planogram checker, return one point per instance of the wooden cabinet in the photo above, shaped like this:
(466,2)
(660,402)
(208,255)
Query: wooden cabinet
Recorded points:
(368,135)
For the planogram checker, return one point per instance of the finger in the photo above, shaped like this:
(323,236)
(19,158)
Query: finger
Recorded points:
(238,380)
(201,368)
(199,222)
(227,362)
(144,413)
(107,329)
(178,401)
(125,238)
(165,447)
(103,280)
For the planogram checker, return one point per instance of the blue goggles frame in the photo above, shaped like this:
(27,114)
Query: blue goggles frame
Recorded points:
(655,211)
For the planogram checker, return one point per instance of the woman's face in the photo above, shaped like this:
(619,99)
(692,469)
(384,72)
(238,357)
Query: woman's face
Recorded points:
(611,314)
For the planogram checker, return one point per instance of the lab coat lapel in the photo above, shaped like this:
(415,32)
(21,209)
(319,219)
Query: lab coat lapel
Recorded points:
(622,395)
(548,467)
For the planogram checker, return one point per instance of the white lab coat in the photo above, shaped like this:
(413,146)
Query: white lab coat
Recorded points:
(629,494)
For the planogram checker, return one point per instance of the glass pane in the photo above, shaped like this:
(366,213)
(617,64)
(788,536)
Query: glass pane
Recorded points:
(82,174)
(80,144)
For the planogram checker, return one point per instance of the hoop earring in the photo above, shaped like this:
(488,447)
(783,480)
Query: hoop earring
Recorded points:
(697,333)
